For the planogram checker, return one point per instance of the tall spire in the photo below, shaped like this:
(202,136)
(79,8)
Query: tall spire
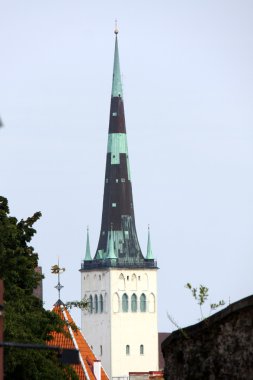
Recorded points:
(149,249)
(111,251)
(116,79)
(87,252)
(118,242)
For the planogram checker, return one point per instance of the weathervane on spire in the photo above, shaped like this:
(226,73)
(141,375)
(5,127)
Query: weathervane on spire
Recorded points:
(116,30)
(55,269)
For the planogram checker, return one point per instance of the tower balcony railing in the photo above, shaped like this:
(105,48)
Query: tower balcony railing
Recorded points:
(118,263)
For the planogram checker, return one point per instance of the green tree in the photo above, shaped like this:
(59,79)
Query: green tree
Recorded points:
(200,294)
(25,319)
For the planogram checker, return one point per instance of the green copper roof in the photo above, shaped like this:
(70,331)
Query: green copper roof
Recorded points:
(116,79)
(87,252)
(111,253)
(149,249)
(117,144)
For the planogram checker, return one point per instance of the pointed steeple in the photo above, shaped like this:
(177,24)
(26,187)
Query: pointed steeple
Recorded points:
(111,251)
(149,249)
(116,78)
(87,252)
(118,237)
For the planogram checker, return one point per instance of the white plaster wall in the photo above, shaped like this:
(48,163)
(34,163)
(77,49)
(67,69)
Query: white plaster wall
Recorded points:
(97,327)
(134,328)
(114,329)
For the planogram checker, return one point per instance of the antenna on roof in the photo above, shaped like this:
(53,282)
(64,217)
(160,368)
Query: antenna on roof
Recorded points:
(55,269)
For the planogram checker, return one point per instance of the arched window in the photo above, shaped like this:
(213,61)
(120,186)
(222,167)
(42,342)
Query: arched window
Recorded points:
(121,282)
(91,304)
(96,303)
(105,303)
(127,349)
(125,303)
(134,303)
(116,303)
(94,282)
(151,303)
(143,306)
(101,304)
(141,349)
(133,282)
(87,283)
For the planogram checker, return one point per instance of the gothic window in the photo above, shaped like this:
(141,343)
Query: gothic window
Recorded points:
(115,303)
(143,306)
(96,303)
(94,283)
(125,303)
(103,281)
(145,282)
(91,304)
(121,282)
(105,303)
(101,304)
(134,303)
(151,303)
(127,349)
(133,282)
(141,349)
(87,283)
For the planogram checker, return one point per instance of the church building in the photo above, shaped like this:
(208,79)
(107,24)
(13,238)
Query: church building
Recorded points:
(119,281)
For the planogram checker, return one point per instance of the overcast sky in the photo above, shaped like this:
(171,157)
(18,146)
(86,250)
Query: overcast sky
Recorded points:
(188,91)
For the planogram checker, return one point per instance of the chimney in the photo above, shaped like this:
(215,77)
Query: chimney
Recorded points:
(97,369)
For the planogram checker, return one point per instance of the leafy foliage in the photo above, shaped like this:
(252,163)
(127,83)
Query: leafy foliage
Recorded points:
(200,294)
(25,319)
(83,304)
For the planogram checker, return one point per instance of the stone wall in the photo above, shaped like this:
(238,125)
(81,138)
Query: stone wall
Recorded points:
(218,348)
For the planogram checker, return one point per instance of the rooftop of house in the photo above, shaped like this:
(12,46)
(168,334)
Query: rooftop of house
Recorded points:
(74,339)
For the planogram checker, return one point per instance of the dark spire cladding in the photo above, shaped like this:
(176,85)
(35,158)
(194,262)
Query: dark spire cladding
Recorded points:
(118,244)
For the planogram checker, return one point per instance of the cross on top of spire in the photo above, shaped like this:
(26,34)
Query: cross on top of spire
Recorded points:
(55,269)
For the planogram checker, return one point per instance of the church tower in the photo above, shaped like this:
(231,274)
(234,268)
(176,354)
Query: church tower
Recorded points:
(119,282)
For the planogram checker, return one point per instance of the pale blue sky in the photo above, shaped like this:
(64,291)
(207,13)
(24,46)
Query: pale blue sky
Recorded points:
(188,90)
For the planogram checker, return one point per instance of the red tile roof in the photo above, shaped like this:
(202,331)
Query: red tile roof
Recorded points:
(75,339)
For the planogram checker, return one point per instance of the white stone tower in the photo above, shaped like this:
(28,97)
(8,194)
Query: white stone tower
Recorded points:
(119,282)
